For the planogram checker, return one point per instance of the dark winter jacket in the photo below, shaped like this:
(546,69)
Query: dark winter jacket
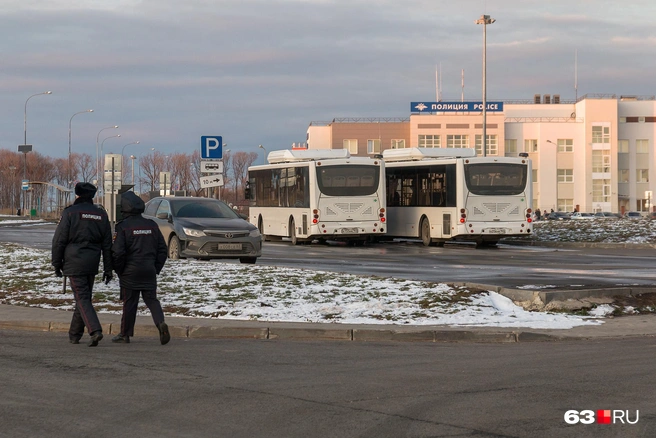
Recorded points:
(139,251)
(82,235)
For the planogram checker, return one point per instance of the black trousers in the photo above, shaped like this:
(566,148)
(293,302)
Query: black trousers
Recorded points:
(84,314)
(130,299)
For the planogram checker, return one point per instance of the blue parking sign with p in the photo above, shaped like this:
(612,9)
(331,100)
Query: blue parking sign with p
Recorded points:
(210,146)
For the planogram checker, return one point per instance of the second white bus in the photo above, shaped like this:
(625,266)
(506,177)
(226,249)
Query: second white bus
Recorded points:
(439,195)
(318,194)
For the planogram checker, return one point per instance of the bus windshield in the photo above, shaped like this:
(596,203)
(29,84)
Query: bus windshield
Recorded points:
(351,180)
(496,178)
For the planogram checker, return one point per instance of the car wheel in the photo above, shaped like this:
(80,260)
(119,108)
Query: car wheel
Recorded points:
(174,248)
(425,232)
(249,260)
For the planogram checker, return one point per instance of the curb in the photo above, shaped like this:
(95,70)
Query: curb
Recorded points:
(308,333)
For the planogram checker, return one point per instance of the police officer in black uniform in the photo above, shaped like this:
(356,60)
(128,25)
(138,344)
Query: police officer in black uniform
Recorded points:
(139,254)
(82,235)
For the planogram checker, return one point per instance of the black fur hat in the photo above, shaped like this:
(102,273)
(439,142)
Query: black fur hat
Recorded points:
(85,190)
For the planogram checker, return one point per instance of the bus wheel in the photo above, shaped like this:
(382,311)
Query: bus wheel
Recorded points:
(425,232)
(292,233)
(260,226)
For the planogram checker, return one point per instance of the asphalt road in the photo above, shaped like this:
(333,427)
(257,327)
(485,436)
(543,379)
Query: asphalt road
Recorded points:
(250,388)
(508,265)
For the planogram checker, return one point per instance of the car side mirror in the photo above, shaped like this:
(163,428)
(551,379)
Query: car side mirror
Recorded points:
(162,216)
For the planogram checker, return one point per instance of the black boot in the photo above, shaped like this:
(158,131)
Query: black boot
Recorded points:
(95,338)
(121,339)
(164,335)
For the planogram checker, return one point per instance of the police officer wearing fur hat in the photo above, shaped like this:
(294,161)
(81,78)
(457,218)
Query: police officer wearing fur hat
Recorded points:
(83,234)
(139,253)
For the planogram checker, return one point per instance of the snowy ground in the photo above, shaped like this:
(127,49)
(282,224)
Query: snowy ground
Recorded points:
(263,293)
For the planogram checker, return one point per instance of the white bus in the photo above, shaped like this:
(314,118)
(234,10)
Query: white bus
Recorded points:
(439,195)
(318,194)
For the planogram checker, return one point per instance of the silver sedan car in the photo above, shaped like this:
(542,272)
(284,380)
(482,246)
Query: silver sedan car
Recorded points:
(204,228)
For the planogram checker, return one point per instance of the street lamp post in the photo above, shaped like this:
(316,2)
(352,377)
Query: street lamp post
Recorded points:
(25,150)
(485,20)
(555,144)
(99,157)
(70,122)
(123,150)
(132,157)
(221,187)
(265,152)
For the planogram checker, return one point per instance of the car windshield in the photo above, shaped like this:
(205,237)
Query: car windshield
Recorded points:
(202,209)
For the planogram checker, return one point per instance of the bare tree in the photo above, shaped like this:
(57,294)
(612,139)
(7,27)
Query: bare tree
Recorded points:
(240,163)
(85,166)
(151,165)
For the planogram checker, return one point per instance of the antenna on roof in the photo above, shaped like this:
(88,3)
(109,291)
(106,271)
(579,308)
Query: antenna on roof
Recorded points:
(576,77)
(462,85)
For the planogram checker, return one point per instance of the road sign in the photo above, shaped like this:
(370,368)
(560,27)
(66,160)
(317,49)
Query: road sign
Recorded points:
(211,166)
(211,147)
(24,148)
(211,181)
(25,185)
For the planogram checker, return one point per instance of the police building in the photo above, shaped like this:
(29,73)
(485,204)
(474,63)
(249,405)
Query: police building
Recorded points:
(592,154)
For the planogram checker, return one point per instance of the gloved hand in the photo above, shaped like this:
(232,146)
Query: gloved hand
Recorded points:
(58,273)
(107,277)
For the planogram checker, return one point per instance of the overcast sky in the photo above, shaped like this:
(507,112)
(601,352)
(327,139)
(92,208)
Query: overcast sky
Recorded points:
(259,71)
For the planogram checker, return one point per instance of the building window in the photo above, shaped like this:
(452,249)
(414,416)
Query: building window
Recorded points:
(457,141)
(623,176)
(642,175)
(623,146)
(566,175)
(642,146)
(511,147)
(492,145)
(398,144)
(565,205)
(565,145)
(534,175)
(530,145)
(601,134)
(601,161)
(600,190)
(351,146)
(429,141)
(373,146)
(622,119)
(643,204)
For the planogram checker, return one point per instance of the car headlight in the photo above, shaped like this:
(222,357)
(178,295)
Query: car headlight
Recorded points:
(254,233)
(193,233)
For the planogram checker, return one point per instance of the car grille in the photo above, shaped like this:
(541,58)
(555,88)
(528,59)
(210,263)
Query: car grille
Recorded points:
(226,234)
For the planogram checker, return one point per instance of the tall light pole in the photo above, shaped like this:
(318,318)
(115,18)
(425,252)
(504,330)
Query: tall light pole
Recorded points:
(70,122)
(98,157)
(221,187)
(27,149)
(123,150)
(265,152)
(555,144)
(132,157)
(485,20)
